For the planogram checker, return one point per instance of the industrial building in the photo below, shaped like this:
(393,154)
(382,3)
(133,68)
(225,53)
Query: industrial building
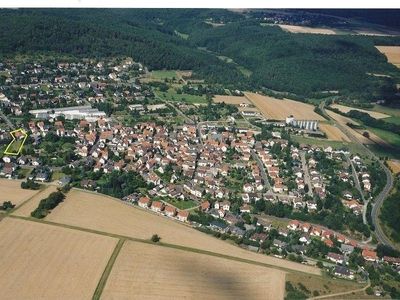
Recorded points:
(302,124)
(70,113)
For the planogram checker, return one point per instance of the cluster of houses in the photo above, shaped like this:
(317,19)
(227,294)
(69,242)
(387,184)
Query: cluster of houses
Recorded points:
(364,176)
(37,86)
(158,207)
(347,246)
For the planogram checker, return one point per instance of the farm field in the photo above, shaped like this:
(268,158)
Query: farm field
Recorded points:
(49,262)
(10,190)
(394,165)
(374,114)
(305,29)
(343,120)
(26,209)
(333,133)
(103,213)
(392,53)
(141,267)
(277,109)
(235,100)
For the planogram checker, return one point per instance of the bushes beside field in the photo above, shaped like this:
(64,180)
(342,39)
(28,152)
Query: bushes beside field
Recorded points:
(47,204)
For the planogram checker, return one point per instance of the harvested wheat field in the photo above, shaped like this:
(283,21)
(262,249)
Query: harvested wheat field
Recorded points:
(392,53)
(48,262)
(305,29)
(235,100)
(333,133)
(144,271)
(10,190)
(373,138)
(394,165)
(26,209)
(277,109)
(373,114)
(99,212)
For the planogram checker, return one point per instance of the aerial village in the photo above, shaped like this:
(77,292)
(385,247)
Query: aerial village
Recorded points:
(263,191)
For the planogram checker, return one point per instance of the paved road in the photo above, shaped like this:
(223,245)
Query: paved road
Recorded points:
(358,186)
(380,235)
(306,173)
(262,170)
(7,120)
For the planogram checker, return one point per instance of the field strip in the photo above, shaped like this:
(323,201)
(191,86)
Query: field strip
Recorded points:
(107,270)
(147,241)
(42,189)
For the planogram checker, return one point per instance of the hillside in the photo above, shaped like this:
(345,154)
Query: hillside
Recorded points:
(185,39)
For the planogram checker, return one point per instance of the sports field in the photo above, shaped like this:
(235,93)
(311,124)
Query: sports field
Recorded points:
(39,261)
(279,109)
(144,271)
(103,213)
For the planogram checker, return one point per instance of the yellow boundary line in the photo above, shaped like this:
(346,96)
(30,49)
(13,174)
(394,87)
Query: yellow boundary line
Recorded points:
(14,140)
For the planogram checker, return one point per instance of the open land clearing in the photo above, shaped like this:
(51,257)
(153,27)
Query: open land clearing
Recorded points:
(10,190)
(373,138)
(277,109)
(394,165)
(39,261)
(333,133)
(392,53)
(373,114)
(26,209)
(325,285)
(235,100)
(144,271)
(103,213)
(305,29)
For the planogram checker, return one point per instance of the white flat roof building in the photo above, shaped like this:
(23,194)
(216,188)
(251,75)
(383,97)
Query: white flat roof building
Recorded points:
(70,113)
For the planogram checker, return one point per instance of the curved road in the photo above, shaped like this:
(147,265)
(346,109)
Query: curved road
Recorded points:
(380,235)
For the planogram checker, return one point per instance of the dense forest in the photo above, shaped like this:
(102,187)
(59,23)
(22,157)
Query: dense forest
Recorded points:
(304,64)
(390,212)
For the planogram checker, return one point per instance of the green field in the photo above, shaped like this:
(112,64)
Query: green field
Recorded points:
(388,136)
(15,146)
(393,120)
(172,95)
(57,175)
(162,74)
(181,204)
(387,110)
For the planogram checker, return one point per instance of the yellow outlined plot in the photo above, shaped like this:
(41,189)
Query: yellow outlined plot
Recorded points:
(19,137)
